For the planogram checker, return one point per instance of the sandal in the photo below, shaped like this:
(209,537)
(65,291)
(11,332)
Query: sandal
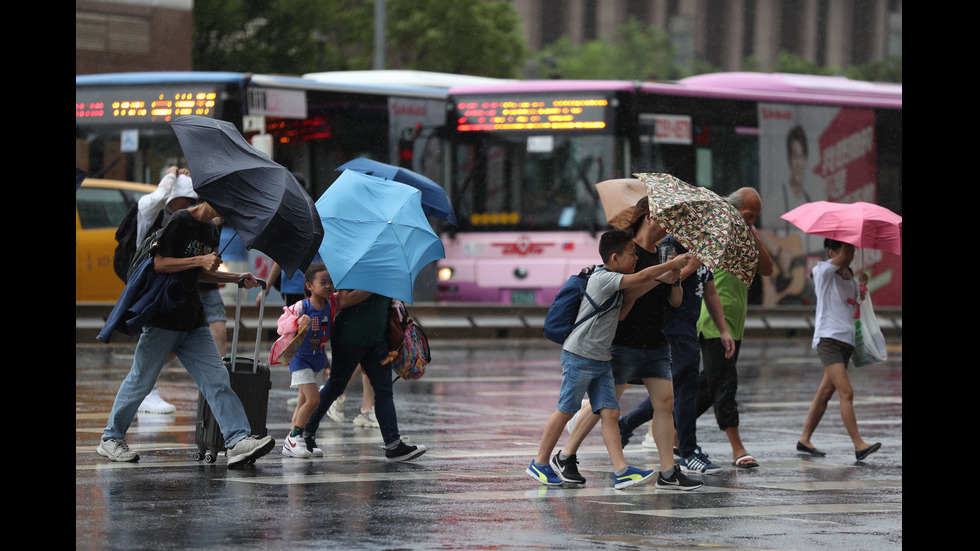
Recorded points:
(745,462)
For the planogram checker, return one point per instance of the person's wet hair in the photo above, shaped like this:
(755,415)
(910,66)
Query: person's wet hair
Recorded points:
(613,242)
(832,244)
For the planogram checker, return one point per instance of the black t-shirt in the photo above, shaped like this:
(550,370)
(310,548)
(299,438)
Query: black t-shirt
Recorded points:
(643,327)
(363,324)
(186,236)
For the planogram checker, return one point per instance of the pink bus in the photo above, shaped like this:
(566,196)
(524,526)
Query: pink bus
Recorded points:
(524,157)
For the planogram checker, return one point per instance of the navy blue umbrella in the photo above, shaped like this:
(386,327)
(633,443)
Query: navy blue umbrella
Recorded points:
(80,176)
(435,202)
(256,196)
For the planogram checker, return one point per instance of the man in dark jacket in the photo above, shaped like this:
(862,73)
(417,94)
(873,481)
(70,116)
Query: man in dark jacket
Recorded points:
(187,250)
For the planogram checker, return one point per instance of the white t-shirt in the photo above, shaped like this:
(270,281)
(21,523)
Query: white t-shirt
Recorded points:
(593,338)
(835,316)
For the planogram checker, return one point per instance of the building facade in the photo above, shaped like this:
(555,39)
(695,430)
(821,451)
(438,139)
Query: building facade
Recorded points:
(153,35)
(724,33)
(133,35)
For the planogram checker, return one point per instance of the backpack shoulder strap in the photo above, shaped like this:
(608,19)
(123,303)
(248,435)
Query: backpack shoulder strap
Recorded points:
(599,309)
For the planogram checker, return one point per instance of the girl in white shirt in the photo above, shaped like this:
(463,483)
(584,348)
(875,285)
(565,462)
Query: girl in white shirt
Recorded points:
(838,295)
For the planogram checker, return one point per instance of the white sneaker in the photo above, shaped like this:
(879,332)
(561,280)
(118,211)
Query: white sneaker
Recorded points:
(366,419)
(295,446)
(153,403)
(336,411)
(648,443)
(248,449)
(116,450)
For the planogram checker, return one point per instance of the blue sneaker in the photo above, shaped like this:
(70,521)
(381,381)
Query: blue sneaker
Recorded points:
(544,474)
(632,477)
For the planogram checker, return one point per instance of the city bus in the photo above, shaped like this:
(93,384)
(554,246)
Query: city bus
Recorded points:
(310,124)
(524,159)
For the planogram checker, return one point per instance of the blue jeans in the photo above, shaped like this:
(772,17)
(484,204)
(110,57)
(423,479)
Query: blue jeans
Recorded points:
(199,355)
(345,362)
(685,368)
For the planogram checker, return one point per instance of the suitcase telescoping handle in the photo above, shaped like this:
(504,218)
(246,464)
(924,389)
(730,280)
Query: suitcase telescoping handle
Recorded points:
(238,319)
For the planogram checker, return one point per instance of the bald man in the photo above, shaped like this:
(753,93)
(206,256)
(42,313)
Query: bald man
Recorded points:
(719,380)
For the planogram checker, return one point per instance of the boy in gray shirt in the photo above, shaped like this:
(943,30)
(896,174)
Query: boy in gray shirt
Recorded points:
(585,356)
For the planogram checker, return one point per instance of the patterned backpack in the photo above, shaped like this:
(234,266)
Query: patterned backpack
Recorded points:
(409,346)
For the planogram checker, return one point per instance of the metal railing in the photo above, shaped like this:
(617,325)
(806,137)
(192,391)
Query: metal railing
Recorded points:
(491,321)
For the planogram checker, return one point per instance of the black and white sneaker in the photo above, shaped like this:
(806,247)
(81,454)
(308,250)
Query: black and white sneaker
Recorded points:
(677,482)
(403,452)
(311,445)
(698,462)
(567,470)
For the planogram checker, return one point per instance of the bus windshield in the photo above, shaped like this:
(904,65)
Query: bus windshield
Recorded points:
(518,182)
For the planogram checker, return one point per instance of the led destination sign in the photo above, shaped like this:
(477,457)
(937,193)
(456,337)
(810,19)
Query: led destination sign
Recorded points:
(141,104)
(517,114)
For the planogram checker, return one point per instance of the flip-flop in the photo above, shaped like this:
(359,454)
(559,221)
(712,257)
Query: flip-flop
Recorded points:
(861,455)
(745,462)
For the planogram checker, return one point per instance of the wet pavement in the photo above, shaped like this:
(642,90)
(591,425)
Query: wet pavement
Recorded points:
(480,410)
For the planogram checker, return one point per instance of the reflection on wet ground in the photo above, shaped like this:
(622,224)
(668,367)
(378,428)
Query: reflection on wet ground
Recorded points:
(480,410)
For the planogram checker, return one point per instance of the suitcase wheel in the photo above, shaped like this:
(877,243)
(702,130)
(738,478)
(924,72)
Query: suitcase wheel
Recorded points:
(208,457)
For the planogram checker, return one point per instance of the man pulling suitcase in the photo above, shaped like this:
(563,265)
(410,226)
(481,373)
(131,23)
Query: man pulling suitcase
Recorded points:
(185,254)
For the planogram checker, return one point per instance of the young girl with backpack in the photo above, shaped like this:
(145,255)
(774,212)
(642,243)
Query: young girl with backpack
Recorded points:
(304,330)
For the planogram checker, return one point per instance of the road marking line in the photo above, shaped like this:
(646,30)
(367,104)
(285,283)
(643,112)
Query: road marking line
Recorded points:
(781,510)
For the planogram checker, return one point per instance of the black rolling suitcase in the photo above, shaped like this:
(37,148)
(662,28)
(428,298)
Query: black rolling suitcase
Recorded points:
(251,381)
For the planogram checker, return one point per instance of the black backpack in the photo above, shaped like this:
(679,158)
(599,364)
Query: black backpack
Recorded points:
(122,259)
(146,249)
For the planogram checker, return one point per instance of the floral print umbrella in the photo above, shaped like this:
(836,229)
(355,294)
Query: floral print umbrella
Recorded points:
(708,226)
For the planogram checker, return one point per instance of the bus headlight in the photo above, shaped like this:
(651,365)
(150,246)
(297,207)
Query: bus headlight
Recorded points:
(445,273)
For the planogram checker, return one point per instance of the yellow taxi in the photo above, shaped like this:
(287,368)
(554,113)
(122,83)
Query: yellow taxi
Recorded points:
(100,206)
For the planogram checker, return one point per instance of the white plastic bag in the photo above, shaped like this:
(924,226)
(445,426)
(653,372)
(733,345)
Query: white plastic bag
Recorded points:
(869,347)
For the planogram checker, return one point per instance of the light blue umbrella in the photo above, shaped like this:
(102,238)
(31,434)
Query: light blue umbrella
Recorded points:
(375,236)
(435,202)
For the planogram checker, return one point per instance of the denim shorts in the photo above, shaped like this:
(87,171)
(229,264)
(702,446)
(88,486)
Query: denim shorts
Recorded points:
(634,364)
(582,375)
(214,307)
(833,351)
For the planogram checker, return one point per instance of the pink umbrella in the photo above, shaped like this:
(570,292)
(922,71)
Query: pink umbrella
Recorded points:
(864,225)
